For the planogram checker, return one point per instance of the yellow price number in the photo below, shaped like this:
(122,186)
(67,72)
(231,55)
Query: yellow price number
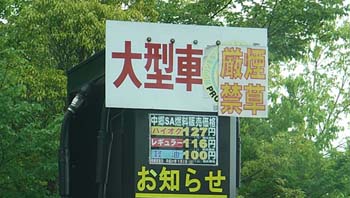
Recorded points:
(195,131)
(194,155)
(201,143)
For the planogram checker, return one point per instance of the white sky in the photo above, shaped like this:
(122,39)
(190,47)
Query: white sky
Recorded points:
(3,20)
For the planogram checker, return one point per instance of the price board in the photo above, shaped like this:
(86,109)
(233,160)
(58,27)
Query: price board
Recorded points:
(183,139)
(182,155)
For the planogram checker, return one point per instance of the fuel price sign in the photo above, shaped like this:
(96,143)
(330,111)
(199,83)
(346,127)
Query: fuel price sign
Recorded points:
(183,139)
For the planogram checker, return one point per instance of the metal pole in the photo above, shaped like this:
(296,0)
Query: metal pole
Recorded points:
(233,155)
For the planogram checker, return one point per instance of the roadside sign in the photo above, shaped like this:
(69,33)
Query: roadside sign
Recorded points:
(172,67)
(184,156)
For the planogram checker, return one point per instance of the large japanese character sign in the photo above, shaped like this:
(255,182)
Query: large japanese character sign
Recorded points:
(163,66)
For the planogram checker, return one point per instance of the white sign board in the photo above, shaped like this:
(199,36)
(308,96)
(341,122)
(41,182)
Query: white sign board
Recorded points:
(164,66)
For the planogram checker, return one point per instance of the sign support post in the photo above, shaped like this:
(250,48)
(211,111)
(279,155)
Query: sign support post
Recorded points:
(233,157)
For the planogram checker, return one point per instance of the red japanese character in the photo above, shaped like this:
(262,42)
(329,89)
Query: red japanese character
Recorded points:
(127,67)
(154,56)
(189,67)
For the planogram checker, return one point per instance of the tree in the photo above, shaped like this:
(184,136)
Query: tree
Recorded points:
(40,41)
(283,156)
(293,149)
(28,132)
(61,34)
(291,24)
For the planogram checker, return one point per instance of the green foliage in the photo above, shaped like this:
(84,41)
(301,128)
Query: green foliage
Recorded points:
(61,34)
(290,154)
(31,102)
(42,40)
(188,12)
(291,24)
(287,166)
